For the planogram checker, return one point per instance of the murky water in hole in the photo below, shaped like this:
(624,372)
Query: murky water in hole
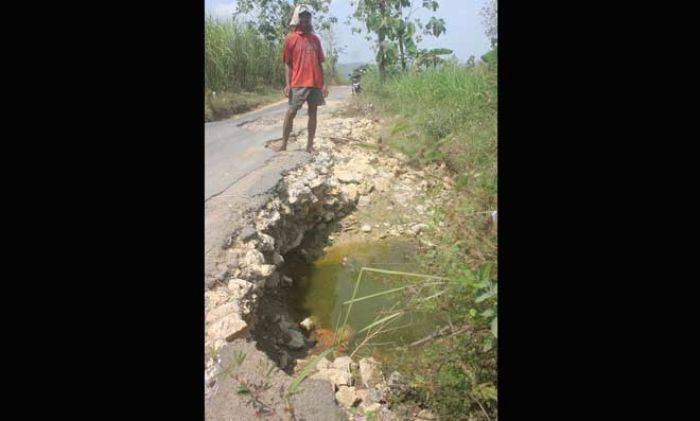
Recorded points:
(320,289)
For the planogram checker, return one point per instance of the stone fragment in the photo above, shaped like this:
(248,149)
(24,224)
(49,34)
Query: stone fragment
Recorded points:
(347,397)
(370,372)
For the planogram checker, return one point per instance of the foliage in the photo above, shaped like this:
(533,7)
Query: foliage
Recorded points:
(448,114)
(331,51)
(238,58)
(489,14)
(396,32)
(271,19)
(430,57)
(272,16)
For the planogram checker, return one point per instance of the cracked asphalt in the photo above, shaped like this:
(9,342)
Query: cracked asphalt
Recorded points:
(241,173)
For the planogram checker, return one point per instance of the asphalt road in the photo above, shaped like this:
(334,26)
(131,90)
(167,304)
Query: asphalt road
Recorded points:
(240,172)
(231,150)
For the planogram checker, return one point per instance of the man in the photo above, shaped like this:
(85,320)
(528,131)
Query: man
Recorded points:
(302,56)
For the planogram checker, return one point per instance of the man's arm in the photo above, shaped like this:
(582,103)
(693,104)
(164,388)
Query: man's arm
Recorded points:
(321,59)
(287,78)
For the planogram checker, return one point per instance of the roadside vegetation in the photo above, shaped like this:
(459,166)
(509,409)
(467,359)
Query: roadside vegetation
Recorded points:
(446,113)
(242,69)
(242,57)
(438,110)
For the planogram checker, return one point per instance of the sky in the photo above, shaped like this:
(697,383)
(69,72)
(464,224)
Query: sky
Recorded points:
(464,35)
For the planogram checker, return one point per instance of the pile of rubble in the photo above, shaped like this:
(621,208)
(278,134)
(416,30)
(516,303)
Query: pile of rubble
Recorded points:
(361,388)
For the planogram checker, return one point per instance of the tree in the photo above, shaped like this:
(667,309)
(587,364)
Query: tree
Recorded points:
(390,21)
(331,51)
(272,16)
(489,13)
(431,57)
(471,61)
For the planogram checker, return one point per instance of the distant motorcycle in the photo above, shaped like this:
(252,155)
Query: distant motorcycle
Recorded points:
(356,88)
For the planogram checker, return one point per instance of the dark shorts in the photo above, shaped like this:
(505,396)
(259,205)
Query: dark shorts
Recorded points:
(312,96)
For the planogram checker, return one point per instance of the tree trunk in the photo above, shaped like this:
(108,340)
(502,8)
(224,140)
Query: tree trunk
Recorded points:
(381,34)
(401,40)
(381,59)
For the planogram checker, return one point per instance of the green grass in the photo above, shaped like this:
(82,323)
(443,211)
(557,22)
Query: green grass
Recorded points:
(238,58)
(225,104)
(448,115)
(242,70)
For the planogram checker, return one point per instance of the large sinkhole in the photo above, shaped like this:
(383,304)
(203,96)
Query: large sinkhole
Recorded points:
(325,277)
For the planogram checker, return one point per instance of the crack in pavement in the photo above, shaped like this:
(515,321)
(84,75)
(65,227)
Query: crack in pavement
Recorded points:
(263,165)
(247,121)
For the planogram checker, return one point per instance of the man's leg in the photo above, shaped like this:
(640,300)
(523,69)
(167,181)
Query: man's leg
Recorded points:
(311,128)
(287,126)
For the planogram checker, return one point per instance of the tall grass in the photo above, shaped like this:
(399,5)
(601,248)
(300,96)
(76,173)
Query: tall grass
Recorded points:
(445,114)
(238,58)
(449,114)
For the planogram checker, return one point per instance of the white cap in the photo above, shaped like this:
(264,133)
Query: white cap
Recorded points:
(297,10)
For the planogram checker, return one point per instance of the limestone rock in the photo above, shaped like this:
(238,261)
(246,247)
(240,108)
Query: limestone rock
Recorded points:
(335,376)
(382,184)
(253,257)
(352,194)
(366,228)
(247,233)
(362,394)
(370,372)
(347,397)
(366,187)
(374,407)
(221,276)
(384,414)
(239,287)
(221,311)
(342,363)
(265,270)
(323,364)
(377,394)
(267,242)
(296,340)
(346,176)
(228,327)
(418,228)
(307,324)
(426,415)
(396,380)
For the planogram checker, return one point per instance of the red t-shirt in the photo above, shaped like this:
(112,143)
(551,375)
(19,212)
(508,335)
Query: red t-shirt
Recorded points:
(304,55)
